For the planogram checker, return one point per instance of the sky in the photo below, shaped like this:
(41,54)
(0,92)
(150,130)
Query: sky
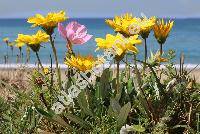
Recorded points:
(101,8)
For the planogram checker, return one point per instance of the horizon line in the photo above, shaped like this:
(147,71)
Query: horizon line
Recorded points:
(106,18)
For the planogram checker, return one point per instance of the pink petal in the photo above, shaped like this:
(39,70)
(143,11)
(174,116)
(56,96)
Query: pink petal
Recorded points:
(82,40)
(69,26)
(76,25)
(77,33)
(62,30)
(78,41)
(82,30)
(87,37)
(70,31)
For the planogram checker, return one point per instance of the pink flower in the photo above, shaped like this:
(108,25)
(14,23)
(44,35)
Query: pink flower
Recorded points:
(74,33)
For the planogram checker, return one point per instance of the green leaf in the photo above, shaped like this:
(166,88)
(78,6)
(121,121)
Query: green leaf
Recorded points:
(60,121)
(138,128)
(114,83)
(123,114)
(78,120)
(111,113)
(44,113)
(53,117)
(186,127)
(83,103)
(114,108)
(105,83)
(129,86)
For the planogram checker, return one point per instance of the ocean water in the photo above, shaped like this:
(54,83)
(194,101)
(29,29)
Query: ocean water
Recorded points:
(184,37)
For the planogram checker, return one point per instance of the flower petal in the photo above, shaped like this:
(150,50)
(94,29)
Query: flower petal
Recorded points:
(82,40)
(82,30)
(62,30)
(87,37)
(70,31)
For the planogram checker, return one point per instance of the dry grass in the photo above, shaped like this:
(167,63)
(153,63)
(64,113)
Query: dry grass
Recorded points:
(19,78)
(15,77)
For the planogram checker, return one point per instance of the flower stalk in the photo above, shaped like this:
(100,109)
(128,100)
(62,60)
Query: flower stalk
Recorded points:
(161,49)
(145,54)
(39,61)
(69,47)
(56,60)
(27,54)
(118,85)
(145,50)
(20,54)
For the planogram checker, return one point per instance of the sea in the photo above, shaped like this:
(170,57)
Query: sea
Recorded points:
(184,38)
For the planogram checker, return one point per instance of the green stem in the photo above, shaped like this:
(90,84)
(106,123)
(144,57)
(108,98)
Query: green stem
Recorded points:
(27,55)
(69,46)
(145,55)
(39,61)
(145,50)
(12,50)
(117,89)
(161,49)
(127,68)
(7,50)
(198,123)
(20,54)
(135,62)
(143,97)
(56,59)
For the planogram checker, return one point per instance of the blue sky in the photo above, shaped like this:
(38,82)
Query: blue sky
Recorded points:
(100,8)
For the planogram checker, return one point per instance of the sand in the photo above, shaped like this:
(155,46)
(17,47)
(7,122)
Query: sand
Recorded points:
(20,78)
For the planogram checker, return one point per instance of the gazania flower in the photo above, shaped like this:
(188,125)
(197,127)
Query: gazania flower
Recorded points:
(156,58)
(119,43)
(33,41)
(191,84)
(6,40)
(48,22)
(161,30)
(145,25)
(160,59)
(46,71)
(19,45)
(122,23)
(11,44)
(81,63)
(74,33)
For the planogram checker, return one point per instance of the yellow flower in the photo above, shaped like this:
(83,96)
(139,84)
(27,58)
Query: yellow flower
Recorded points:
(161,30)
(33,41)
(48,22)
(121,23)
(156,58)
(6,39)
(46,70)
(19,45)
(129,25)
(191,84)
(119,43)
(11,44)
(81,63)
(22,39)
(160,59)
(145,25)
(38,38)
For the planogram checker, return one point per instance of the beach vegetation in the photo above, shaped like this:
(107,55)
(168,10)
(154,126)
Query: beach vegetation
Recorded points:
(146,96)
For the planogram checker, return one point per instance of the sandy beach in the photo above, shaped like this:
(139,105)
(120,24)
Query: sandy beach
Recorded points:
(21,76)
